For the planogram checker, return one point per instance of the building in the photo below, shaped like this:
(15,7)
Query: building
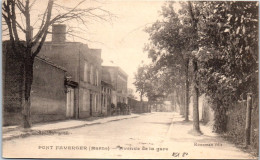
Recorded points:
(84,66)
(115,76)
(48,92)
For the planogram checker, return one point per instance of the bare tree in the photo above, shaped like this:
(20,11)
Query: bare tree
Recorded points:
(29,48)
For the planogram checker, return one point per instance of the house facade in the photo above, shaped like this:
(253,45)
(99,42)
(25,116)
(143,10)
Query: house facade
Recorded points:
(84,66)
(115,76)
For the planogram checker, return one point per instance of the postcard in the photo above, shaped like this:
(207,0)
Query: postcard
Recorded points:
(128,79)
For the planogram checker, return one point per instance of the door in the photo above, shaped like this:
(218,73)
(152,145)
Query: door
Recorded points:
(90,101)
(70,103)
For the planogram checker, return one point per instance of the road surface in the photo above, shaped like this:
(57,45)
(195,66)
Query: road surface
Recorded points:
(156,135)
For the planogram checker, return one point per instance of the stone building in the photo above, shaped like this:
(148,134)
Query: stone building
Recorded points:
(84,66)
(115,76)
(48,93)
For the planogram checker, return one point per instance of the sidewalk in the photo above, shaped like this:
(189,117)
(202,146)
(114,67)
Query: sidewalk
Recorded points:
(10,132)
(187,144)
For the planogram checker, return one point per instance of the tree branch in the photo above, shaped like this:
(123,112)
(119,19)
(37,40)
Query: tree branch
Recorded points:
(28,26)
(45,29)
(7,18)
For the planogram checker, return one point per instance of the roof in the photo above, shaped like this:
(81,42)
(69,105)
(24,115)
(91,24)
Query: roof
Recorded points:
(46,60)
(116,68)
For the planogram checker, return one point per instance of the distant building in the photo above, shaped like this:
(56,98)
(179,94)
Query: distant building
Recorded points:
(84,66)
(118,79)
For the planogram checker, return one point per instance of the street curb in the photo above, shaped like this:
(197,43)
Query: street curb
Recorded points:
(34,132)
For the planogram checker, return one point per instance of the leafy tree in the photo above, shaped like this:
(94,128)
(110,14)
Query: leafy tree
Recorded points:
(142,80)
(219,40)
(228,54)
(172,42)
(27,49)
(169,45)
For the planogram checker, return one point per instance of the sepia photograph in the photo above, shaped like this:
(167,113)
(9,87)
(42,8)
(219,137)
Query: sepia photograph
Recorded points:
(130,79)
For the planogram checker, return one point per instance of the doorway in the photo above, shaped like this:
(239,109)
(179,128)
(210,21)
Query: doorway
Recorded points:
(70,103)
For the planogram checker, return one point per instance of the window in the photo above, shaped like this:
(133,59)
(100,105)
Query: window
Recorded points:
(85,72)
(97,77)
(91,75)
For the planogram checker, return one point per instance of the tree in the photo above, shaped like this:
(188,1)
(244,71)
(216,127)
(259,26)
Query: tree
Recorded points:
(220,40)
(173,42)
(26,50)
(194,26)
(141,79)
(169,46)
(228,54)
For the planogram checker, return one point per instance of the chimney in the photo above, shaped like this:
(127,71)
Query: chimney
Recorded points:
(58,33)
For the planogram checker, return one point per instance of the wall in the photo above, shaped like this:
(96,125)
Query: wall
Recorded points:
(137,106)
(12,87)
(48,97)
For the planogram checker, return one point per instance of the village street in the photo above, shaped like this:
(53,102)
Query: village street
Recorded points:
(155,135)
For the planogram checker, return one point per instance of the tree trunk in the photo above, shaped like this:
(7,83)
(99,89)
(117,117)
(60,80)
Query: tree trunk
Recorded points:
(27,82)
(196,125)
(248,119)
(141,97)
(187,96)
(180,103)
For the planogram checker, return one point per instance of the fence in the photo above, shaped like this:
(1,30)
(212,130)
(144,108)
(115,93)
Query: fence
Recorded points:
(237,121)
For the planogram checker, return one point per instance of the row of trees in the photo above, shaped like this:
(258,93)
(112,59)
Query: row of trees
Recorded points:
(204,47)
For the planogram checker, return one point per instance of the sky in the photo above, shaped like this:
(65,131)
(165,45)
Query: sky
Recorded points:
(121,40)
(124,40)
